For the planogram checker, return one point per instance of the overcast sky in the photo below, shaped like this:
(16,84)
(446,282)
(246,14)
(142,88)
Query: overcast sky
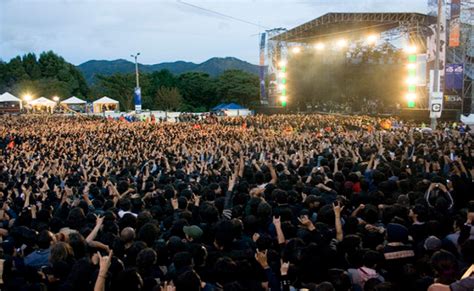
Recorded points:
(162,30)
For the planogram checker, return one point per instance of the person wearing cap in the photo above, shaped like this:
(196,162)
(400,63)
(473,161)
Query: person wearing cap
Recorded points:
(192,232)
(432,244)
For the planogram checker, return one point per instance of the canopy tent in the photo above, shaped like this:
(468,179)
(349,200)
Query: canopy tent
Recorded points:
(232,106)
(42,104)
(42,101)
(218,107)
(229,106)
(73,100)
(105,104)
(10,103)
(7,97)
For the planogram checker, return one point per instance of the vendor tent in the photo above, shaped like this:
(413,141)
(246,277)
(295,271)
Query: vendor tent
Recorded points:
(73,101)
(7,97)
(105,104)
(42,104)
(10,103)
(42,101)
(74,104)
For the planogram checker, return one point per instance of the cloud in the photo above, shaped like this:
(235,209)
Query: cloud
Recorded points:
(81,30)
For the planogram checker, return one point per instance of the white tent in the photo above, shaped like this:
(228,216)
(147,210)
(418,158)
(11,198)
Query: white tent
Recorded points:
(105,104)
(73,100)
(42,101)
(10,106)
(105,100)
(7,97)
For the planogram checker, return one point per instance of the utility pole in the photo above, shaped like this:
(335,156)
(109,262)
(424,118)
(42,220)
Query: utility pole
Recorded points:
(136,68)
(436,81)
(138,95)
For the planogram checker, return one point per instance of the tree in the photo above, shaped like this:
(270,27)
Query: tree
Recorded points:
(168,99)
(3,76)
(50,64)
(16,71)
(198,90)
(46,87)
(238,86)
(48,76)
(32,68)
(117,86)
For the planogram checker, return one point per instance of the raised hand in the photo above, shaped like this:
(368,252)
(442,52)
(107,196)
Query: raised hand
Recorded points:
(284,266)
(104,263)
(336,207)
(99,220)
(261,258)
(276,222)
(306,222)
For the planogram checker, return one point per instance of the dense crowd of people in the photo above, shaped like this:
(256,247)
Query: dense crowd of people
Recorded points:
(283,202)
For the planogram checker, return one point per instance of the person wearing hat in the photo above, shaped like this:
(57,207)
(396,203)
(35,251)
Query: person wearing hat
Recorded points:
(432,244)
(192,232)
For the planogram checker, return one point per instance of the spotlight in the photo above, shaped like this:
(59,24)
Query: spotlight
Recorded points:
(282,74)
(341,43)
(411,80)
(282,63)
(296,50)
(411,97)
(319,46)
(283,99)
(411,49)
(411,66)
(371,39)
(55,98)
(281,86)
(27,97)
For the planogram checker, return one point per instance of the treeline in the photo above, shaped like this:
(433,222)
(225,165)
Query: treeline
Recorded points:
(47,76)
(51,75)
(193,91)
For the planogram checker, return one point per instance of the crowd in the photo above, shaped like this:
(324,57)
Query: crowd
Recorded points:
(282,202)
(353,105)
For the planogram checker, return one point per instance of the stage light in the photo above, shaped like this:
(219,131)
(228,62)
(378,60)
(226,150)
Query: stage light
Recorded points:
(296,50)
(27,97)
(282,86)
(282,74)
(283,100)
(319,46)
(411,49)
(282,63)
(411,80)
(371,39)
(55,98)
(411,66)
(341,43)
(410,97)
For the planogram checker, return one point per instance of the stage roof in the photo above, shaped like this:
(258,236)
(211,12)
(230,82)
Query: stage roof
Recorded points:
(333,25)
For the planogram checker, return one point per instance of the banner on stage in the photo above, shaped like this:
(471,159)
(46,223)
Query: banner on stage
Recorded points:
(263,95)
(454,76)
(454,23)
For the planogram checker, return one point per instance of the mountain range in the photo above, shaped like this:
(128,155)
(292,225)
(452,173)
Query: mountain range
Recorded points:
(214,67)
